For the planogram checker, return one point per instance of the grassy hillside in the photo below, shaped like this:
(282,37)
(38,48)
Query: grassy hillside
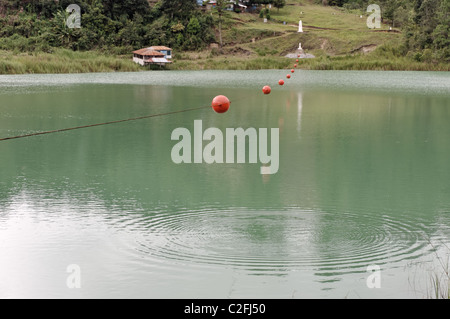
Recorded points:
(338,38)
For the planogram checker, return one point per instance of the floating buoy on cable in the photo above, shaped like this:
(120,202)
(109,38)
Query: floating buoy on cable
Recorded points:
(288,76)
(281,82)
(220,104)
(266,89)
(295,65)
(292,70)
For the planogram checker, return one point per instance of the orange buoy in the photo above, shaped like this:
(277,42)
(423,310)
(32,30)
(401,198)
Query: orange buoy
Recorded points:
(288,76)
(266,89)
(220,104)
(281,82)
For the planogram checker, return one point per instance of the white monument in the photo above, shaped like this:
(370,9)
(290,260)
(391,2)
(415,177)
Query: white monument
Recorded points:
(300,46)
(300,27)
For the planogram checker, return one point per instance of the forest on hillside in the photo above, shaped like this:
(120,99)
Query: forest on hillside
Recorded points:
(117,26)
(120,26)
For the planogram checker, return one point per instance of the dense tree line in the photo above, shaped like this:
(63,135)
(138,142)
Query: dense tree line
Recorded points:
(425,24)
(106,24)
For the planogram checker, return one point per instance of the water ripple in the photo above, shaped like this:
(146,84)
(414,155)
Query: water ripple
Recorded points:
(277,241)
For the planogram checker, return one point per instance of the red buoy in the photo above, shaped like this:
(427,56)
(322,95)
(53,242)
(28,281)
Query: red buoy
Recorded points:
(288,76)
(220,104)
(292,70)
(296,60)
(281,82)
(295,65)
(298,55)
(267,89)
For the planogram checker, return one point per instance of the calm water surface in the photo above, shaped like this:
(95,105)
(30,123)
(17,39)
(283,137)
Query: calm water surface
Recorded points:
(364,180)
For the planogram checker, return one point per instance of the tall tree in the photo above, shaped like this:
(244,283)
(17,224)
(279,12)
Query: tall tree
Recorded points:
(179,9)
(221,7)
(279,4)
(117,8)
(440,33)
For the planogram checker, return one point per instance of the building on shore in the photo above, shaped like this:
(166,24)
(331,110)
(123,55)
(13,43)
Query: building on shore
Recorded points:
(155,55)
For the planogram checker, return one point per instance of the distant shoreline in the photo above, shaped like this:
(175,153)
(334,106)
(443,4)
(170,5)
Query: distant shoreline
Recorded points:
(338,38)
(66,61)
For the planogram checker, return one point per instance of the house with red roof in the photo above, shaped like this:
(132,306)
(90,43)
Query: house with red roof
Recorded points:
(155,55)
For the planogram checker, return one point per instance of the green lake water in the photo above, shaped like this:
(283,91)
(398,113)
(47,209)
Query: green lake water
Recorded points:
(363,180)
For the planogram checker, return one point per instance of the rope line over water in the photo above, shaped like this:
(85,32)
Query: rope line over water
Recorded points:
(101,124)
(266,90)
